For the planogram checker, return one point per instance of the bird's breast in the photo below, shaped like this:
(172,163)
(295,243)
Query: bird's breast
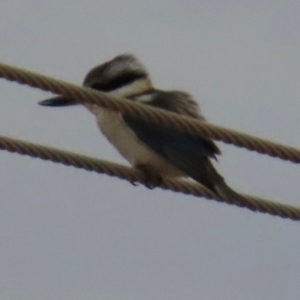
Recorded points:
(126,142)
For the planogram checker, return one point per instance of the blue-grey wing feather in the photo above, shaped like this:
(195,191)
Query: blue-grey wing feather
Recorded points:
(189,153)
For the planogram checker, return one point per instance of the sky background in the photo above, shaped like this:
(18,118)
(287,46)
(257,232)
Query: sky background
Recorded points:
(70,234)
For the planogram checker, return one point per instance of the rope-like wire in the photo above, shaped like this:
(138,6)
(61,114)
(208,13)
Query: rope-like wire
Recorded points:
(158,116)
(133,175)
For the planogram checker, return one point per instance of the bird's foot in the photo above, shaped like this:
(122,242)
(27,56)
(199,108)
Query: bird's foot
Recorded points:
(150,179)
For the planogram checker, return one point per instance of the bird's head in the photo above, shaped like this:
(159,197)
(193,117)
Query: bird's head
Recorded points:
(122,76)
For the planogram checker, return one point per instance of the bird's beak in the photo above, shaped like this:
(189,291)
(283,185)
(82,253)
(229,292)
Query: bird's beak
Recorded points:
(58,101)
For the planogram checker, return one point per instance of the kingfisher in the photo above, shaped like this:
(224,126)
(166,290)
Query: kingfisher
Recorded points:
(157,151)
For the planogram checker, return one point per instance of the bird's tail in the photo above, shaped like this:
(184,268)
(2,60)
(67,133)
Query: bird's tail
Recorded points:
(219,186)
(230,195)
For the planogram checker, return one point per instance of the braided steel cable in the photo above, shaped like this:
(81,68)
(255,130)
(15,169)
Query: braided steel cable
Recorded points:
(112,169)
(158,116)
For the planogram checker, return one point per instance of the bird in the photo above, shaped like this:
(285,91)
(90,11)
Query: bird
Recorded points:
(157,151)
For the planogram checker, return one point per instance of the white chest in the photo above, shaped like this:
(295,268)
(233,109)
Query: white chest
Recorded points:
(125,141)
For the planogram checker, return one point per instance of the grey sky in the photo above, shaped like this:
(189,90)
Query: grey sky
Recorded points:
(70,234)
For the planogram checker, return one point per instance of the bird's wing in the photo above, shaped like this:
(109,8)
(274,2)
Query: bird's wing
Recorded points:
(188,153)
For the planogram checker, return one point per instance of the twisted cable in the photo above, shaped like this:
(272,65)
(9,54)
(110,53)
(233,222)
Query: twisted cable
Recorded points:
(112,169)
(158,116)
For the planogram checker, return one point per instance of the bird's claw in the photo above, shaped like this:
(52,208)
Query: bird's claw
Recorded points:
(150,179)
(134,183)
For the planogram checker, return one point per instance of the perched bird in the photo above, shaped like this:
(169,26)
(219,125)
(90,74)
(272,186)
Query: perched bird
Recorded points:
(156,150)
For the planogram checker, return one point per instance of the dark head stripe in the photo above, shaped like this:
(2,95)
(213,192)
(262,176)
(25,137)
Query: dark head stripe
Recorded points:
(118,82)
